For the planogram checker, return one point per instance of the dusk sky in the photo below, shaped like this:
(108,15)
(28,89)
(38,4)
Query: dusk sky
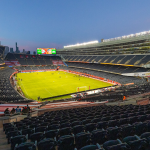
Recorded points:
(57,23)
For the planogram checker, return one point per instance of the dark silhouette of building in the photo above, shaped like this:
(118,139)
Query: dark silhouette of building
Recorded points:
(11,50)
(17,48)
(28,52)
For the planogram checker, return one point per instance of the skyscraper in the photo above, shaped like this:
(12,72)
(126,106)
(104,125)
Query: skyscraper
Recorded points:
(11,50)
(34,52)
(6,50)
(17,48)
(24,52)
(28,52)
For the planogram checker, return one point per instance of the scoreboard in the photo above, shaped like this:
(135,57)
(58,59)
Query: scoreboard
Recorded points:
(46,50)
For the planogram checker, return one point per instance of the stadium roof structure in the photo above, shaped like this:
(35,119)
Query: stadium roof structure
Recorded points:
(109,43)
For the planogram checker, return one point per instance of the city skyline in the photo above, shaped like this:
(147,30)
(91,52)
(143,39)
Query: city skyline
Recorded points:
(55,24)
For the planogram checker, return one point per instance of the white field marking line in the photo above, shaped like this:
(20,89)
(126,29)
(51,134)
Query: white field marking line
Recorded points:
(48,92)
(24,89)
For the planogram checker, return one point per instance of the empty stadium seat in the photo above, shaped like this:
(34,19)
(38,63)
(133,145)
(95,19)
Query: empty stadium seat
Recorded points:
(82,139)
(135,142)
(66,142)
(47,144)
(26,146)
(17,140)
(107,144)
(91,147)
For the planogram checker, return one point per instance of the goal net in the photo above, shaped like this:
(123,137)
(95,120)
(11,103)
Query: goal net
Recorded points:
(82,88)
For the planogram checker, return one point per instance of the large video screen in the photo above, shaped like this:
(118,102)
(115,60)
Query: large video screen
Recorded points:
(46,50)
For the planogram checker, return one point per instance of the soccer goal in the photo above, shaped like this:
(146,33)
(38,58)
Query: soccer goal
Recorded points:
(82,88)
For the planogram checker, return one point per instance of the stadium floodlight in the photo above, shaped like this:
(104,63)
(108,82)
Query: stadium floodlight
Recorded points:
(128,36)
(81,44)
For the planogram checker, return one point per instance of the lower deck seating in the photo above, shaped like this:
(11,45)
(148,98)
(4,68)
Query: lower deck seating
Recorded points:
(107,75)
(98,127)
(7,92)
(110,68)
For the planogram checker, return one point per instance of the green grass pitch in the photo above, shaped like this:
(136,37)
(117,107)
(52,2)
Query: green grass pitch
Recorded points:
(54,83)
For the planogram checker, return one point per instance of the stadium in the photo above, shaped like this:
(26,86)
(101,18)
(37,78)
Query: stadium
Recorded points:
(86,96)
(105,83)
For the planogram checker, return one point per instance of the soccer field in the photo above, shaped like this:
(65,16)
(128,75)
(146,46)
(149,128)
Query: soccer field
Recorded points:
(54,83)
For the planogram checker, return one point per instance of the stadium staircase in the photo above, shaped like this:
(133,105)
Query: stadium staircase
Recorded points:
(3,141)
(121,60)
(107,60)
(72,58)
(93,60)
(128,61)
(138,61)
(100,60)
(75,59)
(88,60)
(112,60)
(65,64)
(84,58)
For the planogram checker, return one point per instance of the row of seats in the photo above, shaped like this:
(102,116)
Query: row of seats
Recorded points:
(76,128)
(136,60)
(36,68)
(7,92)
(25,59)
(67,142)
(110,68)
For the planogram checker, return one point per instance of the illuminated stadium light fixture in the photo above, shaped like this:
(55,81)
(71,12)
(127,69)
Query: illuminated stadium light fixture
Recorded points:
(81,44)
(128,36)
